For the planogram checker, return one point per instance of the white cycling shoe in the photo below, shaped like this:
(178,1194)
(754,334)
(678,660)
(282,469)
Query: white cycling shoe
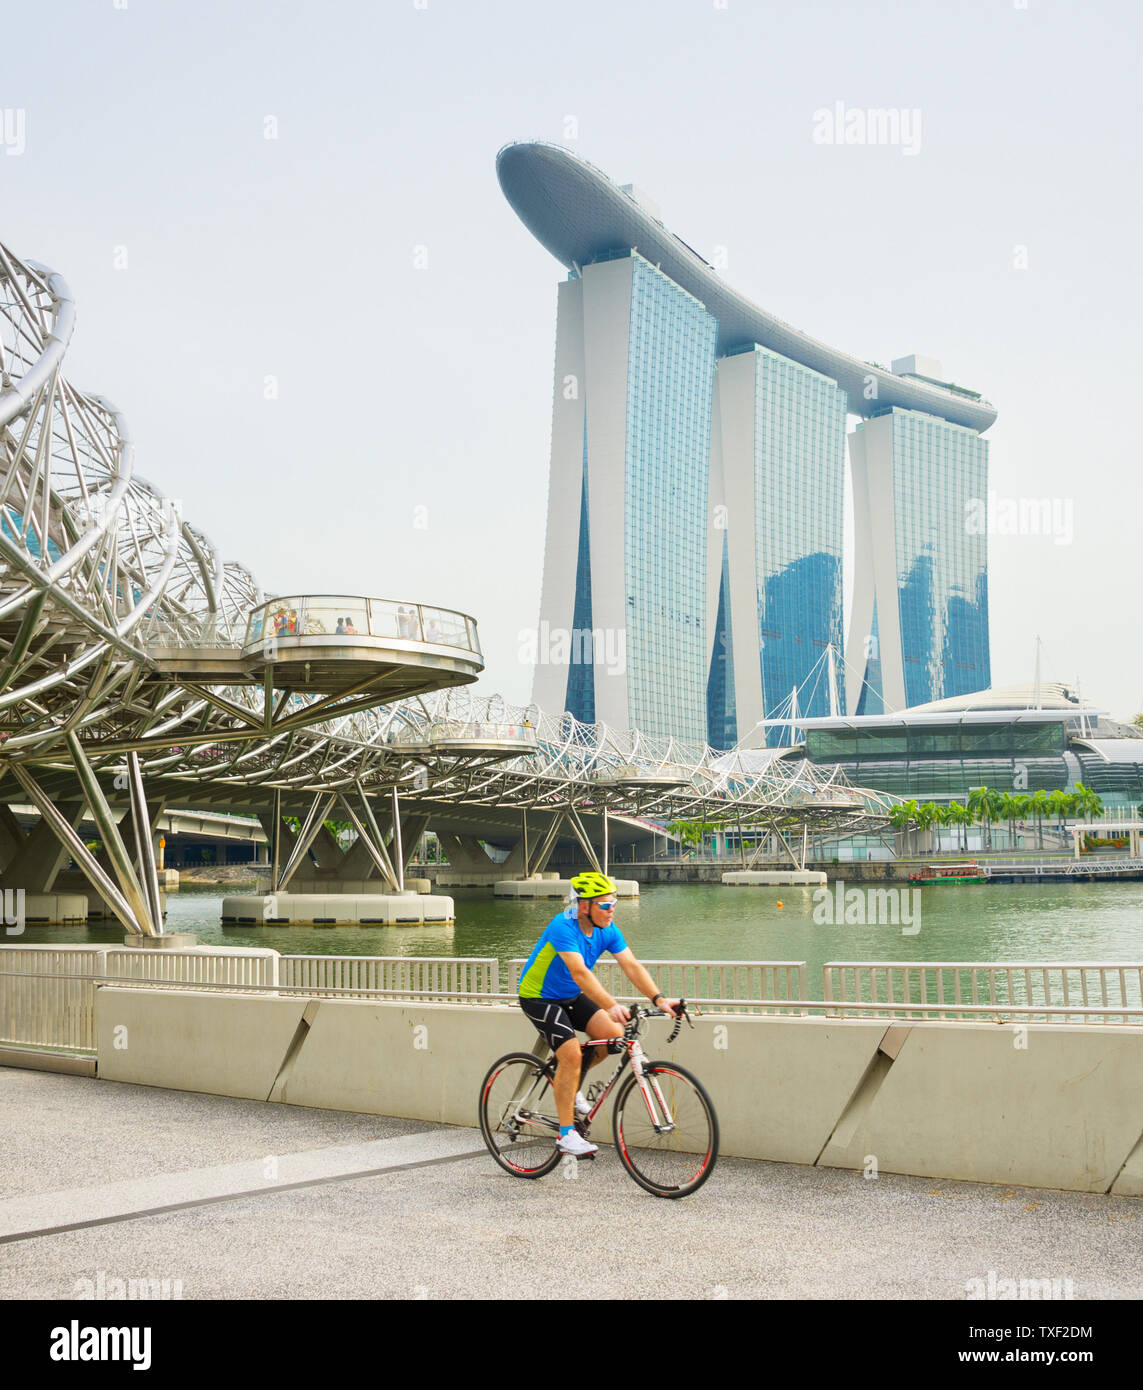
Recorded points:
(582,1107)
(576,1145)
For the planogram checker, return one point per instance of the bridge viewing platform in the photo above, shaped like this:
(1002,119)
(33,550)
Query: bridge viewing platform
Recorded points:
(323,644)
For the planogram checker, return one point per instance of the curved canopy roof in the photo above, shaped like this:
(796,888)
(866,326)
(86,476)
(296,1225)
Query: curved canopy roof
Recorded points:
(577,213)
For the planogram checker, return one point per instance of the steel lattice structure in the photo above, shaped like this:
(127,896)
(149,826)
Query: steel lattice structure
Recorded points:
(132,654)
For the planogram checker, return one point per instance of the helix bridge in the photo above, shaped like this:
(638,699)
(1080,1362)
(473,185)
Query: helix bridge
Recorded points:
(140,669)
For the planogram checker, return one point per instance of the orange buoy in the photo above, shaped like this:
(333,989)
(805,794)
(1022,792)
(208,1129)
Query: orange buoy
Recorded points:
(779,902)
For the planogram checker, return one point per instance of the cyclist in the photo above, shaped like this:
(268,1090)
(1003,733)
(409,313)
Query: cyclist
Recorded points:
(559,993)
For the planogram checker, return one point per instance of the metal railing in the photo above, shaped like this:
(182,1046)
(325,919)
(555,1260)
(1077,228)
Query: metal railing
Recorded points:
(47,995)
(462,731)
(1031,991)
(161,630)
(1069,867)
(191,967)
(461,979)
(47,998)
(732,986)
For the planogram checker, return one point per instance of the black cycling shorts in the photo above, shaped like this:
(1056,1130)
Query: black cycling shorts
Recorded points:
(557,1019)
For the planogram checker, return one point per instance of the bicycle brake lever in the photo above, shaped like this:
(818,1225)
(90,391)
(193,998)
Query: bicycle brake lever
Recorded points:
(679,1021)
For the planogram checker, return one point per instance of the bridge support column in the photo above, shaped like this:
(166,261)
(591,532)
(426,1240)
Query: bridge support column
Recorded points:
(465,852)
(581,835)
(314,823)
(39,856)
(125,897)
(414,826)
(371,840)
(537,861)
(12,837)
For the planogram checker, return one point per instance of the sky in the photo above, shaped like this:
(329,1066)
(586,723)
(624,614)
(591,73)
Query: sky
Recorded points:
(297,277)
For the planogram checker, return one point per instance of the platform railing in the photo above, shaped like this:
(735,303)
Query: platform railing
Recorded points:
(457,978)
(323,615)
(47,995)
(462,731)
(47,998)
(738,986)
(1098,992)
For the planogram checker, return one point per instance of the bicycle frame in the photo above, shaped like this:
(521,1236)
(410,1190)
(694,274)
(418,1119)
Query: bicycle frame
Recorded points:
(634,1056)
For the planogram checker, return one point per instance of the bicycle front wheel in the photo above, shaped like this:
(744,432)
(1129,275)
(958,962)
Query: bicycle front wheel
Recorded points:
(518,1115)
(666,1131)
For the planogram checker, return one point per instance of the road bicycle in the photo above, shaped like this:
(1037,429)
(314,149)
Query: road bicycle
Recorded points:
(663,1122)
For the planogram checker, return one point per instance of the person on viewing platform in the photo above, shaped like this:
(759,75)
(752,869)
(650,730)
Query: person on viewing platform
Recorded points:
(559,993)
(280,623)
(350,630)
(292,623)
(407,622)
(339,631)
(433,631)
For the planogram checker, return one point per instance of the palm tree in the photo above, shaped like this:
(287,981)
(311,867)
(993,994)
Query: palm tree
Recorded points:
(1039,806)
(978,804)
(1012,809)
(901,817)
(1058,805)
(986,803)
(928,814)
(1090,803)
(960,814)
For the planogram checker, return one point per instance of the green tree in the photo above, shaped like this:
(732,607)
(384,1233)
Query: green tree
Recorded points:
(1012,809)
(928,815)
(902,815)
(985,804)
(960,815)
(1039,805)
(1089,803)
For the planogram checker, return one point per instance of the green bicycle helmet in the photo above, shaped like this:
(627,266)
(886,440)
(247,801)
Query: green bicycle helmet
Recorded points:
(592,885)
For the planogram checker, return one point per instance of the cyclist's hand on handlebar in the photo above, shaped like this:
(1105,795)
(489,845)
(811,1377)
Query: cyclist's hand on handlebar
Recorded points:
(619,1012)
(670,1006)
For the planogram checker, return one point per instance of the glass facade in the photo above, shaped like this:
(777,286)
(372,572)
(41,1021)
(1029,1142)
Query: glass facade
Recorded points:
(799,474)
(942,573)
(721,717)
(872,698)
(580,699)
(670,381)
(930,761)
(956,777)
(959,741)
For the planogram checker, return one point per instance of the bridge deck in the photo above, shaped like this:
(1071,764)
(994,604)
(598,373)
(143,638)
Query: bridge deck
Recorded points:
(400,1209)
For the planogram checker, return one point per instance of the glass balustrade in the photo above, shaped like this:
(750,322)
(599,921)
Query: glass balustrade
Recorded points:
(338,618)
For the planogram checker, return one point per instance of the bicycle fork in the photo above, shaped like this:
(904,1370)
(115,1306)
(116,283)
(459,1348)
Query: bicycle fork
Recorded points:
(653,1097)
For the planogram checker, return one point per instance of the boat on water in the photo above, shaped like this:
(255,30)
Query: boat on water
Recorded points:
(969,872)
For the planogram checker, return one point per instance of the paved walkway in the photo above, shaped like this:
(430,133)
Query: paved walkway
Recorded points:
(237,1199)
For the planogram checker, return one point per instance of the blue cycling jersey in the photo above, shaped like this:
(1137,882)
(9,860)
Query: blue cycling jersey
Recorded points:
(545,976)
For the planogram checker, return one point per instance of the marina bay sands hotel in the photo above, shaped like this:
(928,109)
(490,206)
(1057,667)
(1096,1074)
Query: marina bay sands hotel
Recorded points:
(696,504)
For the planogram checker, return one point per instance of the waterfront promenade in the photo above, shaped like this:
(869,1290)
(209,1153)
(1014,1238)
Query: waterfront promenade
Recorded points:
(277,1201)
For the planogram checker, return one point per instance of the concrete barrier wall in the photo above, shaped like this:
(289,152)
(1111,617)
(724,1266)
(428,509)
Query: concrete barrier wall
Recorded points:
(962,1100)
(950,1100)
(225,1045)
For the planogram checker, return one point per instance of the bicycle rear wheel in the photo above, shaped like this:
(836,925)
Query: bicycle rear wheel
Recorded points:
(678,1161)
(518,1115)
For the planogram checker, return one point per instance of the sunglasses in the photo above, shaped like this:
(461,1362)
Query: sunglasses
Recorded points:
(605,907)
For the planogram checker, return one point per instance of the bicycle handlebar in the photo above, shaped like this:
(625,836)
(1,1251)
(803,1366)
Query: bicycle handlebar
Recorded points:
(638,1013)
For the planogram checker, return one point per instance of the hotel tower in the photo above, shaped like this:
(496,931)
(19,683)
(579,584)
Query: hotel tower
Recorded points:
(693,563)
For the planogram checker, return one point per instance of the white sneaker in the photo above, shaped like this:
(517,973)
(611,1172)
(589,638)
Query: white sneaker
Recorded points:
(582,1107)
(577,1146)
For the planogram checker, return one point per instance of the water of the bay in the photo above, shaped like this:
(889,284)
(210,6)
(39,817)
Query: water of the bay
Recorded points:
(1096,922)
